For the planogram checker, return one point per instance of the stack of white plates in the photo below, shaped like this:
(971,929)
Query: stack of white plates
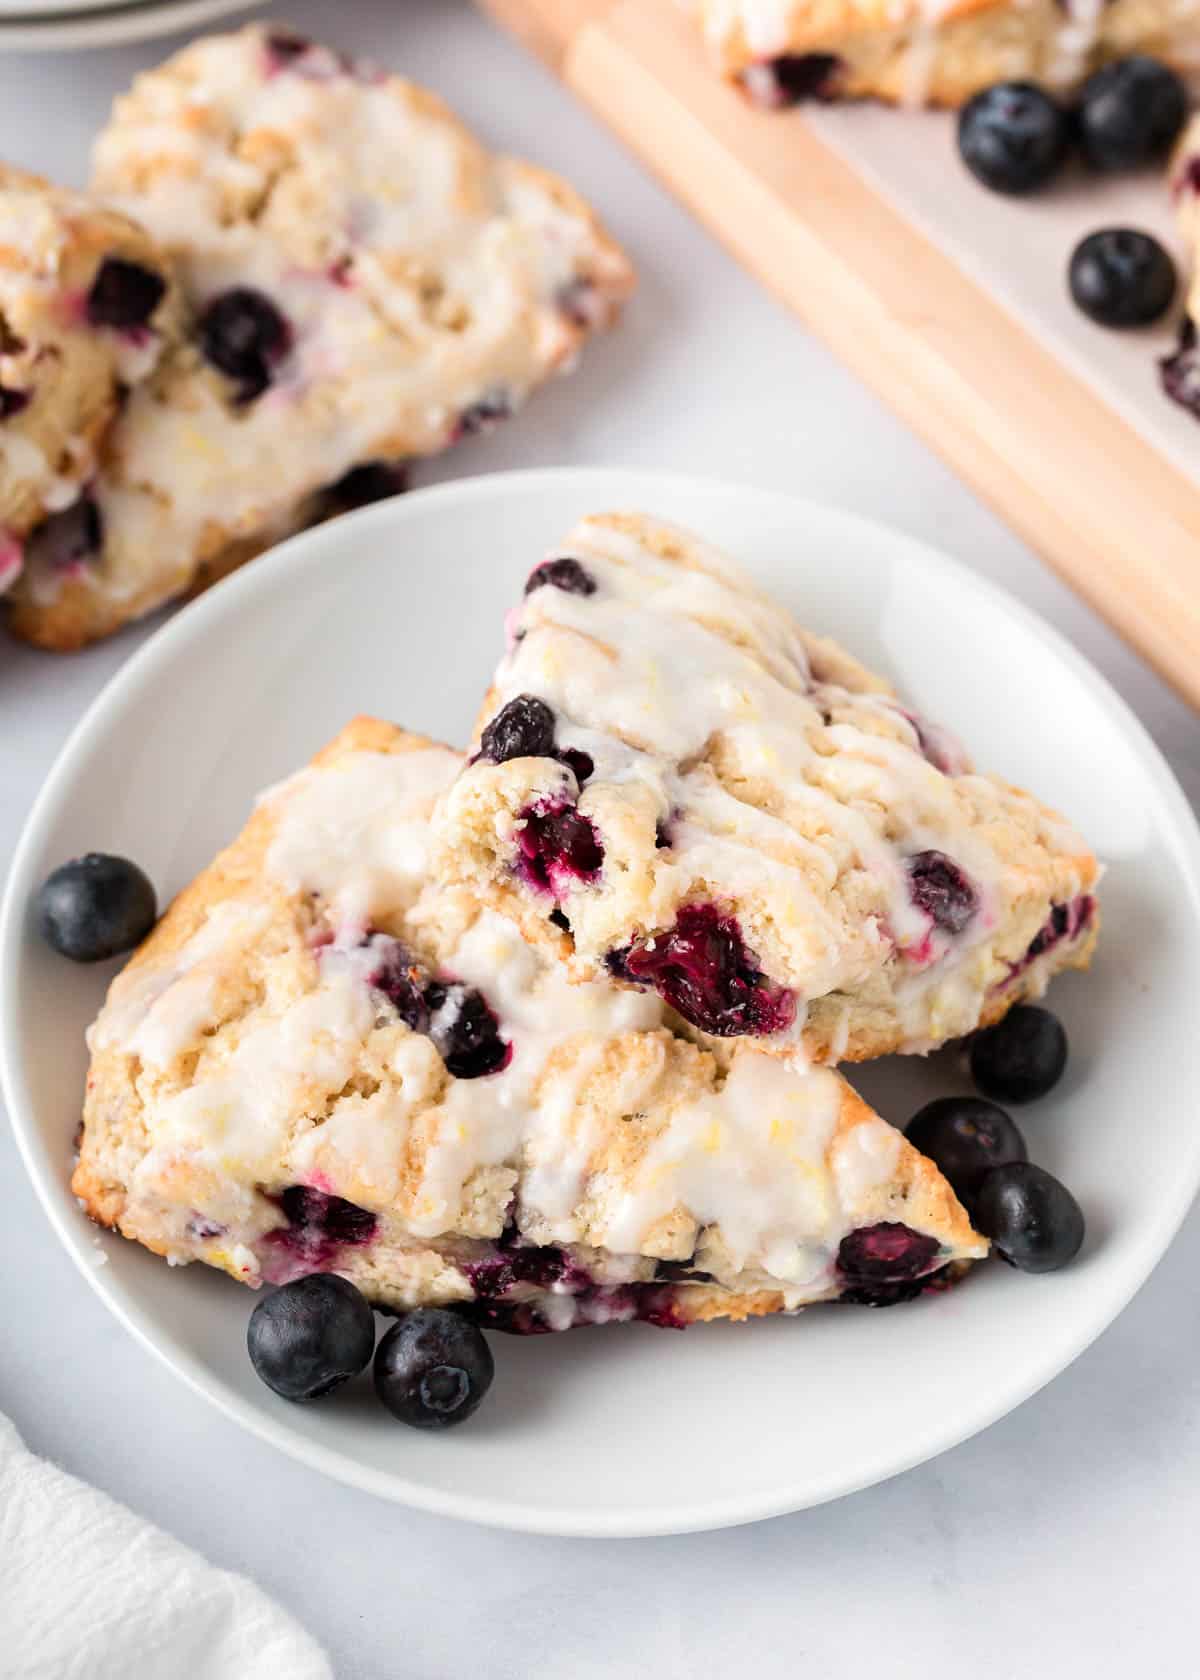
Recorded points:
(54,25)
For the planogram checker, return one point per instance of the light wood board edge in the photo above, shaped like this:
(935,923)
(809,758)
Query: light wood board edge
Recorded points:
(547,27)
(1079,484)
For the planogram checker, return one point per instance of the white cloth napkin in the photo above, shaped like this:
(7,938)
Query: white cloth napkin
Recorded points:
(88,1591)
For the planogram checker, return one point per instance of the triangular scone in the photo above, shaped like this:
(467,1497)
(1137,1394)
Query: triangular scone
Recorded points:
(710,800)
(369,284)
(320,1062)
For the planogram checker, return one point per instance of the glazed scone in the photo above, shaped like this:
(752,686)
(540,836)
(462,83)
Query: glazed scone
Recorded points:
(321,1061)
(369,286)
(920,52)
(683,789)
(1181,370)
(87,307)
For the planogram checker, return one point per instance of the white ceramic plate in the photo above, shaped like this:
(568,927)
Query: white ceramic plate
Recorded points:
(630,1430)
(52,26)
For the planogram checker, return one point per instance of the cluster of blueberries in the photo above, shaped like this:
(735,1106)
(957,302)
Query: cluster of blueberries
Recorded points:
(1015,138)
(1033,1220)
(432,1368)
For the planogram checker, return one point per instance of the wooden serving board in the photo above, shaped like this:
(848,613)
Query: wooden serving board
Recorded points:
(1116,515)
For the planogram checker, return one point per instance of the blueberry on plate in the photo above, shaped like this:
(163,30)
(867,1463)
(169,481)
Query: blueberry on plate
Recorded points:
(1120,277)
(433,1368)
(1130,113)
(311,1336)
(95,907)
(1021,1057)
(1034,1221)
(965,1138)
(1013,137)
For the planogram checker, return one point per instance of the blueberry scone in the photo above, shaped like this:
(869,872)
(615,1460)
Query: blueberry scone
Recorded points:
(320,1060)
(87,307)
(368,284)
(688,792)
(932,51)
(1181,370)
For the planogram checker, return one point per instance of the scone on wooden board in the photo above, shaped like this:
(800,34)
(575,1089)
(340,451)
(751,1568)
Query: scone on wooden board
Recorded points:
(919,52)
(320,1060)
(368,285)
(675,786)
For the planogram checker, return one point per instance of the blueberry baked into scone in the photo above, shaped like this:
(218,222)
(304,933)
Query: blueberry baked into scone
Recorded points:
(676,787)
(323,1061)
(367,285)
(87,308)
(932,51)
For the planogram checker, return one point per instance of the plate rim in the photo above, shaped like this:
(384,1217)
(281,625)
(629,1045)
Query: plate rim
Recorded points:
(109,23)
(261,578)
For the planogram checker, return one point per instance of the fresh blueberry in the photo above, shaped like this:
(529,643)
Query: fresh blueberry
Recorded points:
(70,537)
(243,334)
(886,1253)
(1120,277)
(95,907)
(1021,1057)
(1033,1220)
(311,1336)
(12,401)
(965,1137)
(565,574)
(939,887)
(701,967)
(1130,113)
(465,1032)
(374,481)
(432,1368)
(1013,137)
(522,729)
(791,79)
(124,294)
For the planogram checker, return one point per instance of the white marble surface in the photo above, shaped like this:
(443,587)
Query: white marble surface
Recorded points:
(1061,1542)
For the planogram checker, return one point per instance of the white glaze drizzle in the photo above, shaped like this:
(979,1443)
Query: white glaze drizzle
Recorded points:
(758,1161)
(636,679)
(357,831)
(418,277)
